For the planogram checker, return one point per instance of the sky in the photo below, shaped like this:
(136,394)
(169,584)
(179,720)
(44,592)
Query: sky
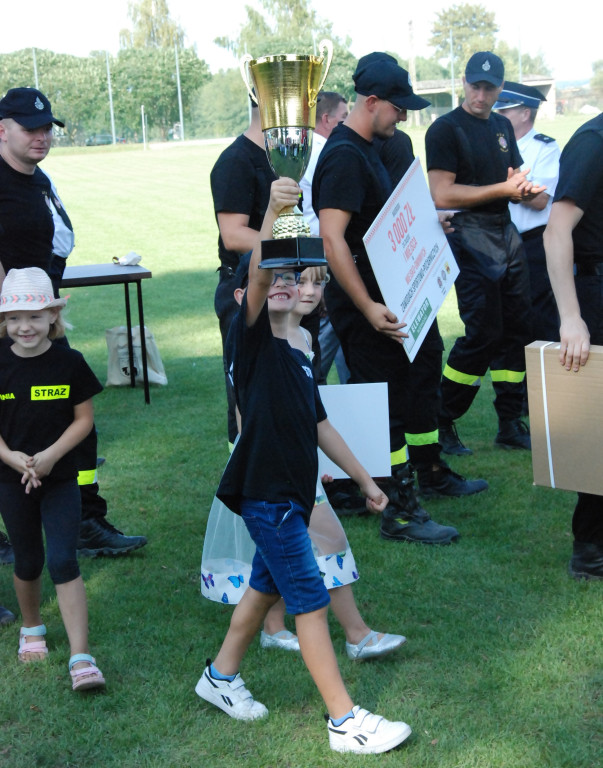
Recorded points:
(569,38)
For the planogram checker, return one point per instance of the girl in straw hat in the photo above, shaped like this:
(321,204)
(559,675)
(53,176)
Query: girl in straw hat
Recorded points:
(46,409)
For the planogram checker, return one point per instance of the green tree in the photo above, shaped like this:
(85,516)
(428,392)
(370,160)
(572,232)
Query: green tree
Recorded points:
(530,65)
(152,26)
(596,83)
(473,29)
(147,77)
(76,87)
(146,68)
(220,108)
(292,26)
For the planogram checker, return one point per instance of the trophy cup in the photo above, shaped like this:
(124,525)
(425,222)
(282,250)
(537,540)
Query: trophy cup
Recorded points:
(286,89)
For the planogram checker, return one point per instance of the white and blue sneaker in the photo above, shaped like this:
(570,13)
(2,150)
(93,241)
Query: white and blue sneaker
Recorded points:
(231,697)
(366,733)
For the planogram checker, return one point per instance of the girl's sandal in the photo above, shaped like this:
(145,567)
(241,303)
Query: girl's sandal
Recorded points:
(35,650)
(84,678)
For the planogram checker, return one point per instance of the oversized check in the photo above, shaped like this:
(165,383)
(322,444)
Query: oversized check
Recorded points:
(411,258)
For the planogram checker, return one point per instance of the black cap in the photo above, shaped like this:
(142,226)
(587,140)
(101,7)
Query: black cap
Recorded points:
(28,107)
(487,66)
(379,74)
(519,95)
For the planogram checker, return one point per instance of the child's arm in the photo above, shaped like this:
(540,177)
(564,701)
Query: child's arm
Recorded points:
(284,192)
(333,444)
(41,463)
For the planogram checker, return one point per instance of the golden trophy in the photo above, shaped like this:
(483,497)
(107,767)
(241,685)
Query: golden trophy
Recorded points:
(285,87)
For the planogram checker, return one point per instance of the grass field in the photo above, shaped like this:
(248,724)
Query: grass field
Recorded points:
(503,664)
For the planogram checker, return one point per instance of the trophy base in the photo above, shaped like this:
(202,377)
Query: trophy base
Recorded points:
(296,253)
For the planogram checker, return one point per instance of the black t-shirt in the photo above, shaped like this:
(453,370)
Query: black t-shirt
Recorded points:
(37,397)
(397,154)
(350,176)
(276,456)
(479,152)
(26,226)
(240,183)
(581,180)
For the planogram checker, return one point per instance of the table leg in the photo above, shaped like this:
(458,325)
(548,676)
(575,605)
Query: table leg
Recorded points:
(130,345)
(143,344)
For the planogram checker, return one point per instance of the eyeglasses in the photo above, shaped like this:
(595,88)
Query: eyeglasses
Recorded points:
(288,278)
(399,110)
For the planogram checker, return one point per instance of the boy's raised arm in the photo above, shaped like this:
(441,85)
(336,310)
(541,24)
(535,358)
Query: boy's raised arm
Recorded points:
(284,192)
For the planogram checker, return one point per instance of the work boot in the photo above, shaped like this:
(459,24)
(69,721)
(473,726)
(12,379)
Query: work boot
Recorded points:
(438,480)
(450,441)
(6,616)
(6,551)
(587,561)
(345,498)
(513,434)
(99,537)
(404,519)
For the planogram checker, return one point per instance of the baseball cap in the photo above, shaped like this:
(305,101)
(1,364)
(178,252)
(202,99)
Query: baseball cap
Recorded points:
(487,66)
(519,95)
(379,74)
(28,107)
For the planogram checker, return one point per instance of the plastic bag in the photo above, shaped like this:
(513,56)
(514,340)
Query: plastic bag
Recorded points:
(228,551)
(118,362)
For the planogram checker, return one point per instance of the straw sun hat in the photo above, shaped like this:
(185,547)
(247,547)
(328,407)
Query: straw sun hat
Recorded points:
(28,290)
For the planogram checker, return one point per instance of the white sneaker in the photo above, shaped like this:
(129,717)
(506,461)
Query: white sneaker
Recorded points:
(366,733)
(231,697)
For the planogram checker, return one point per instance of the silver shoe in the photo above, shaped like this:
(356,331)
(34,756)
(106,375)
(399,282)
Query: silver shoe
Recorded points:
(369,647)
(283,640)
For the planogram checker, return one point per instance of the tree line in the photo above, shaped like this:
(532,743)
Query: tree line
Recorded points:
(144,71)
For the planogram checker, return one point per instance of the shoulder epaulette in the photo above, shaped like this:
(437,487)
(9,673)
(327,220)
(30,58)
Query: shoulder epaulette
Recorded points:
(542,137)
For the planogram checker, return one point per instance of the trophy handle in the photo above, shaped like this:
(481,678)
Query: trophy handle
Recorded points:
(327,46)
(243,66)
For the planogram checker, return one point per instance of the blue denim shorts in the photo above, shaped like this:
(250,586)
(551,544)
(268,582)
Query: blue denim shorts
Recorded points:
(284,562)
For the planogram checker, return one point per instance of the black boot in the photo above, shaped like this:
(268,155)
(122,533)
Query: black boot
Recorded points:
(6,616)
(450,441)
(587,561)
(513,434)
(438,480)
(345,498)
(99,537)
(404,519)
(6,551)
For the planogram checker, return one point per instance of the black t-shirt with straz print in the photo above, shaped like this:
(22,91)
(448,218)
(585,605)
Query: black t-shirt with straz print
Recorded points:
(37,398)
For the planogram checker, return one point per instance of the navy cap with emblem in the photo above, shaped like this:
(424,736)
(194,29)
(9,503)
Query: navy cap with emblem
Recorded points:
(28,107)
(519,95)
(379,74)
(487,66)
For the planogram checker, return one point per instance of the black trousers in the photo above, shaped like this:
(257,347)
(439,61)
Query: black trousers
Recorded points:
(545,317)
(413,388)
(587,522)
(493,295)
(226,308)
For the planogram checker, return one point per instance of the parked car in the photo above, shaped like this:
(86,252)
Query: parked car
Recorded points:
(98,139)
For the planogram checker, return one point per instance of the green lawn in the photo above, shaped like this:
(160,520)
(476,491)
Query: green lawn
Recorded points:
(503,664)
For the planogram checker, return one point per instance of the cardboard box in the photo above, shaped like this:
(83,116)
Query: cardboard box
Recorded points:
(566,419)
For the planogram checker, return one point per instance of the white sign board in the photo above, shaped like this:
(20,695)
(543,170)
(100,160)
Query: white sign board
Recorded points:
(410,257)
(360,413)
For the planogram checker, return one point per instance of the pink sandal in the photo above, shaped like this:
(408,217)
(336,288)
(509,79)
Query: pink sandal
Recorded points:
(85,677)
(26,650)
